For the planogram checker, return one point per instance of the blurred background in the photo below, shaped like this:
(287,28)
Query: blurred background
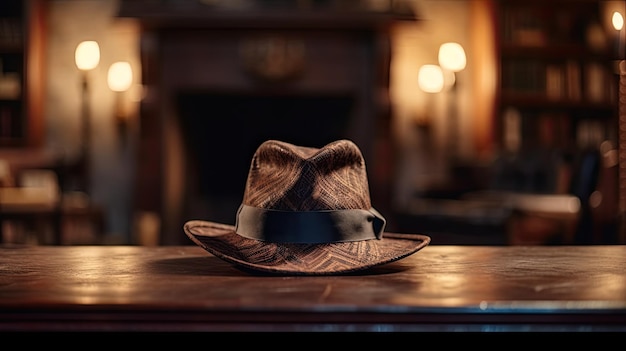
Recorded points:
(482,122)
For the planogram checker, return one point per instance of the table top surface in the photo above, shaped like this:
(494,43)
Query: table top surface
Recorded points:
(571,285)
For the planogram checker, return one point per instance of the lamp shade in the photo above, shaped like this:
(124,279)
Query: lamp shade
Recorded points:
(430,78)
(452,57)
(120,76)
(617,20)
(87,55)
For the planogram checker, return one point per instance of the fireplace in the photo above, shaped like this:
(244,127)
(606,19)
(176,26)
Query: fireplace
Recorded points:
(220,82)
(220,133)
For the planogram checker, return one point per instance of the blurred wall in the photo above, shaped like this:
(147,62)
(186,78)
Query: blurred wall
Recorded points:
(72,21)
(69,23)
(422,158)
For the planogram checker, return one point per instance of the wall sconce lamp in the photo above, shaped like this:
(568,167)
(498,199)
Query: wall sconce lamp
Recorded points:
(86,57)
(452,59)
(618,23)
(119,79)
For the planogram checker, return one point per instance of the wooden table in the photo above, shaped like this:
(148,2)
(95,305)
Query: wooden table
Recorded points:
(440,288)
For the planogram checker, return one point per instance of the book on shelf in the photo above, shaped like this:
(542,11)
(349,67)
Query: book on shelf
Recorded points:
(9,122)
(573,80)
(511,129)
(555,82)
(11,33)
(553,129)
(524,76)
(594,87)
(5,122)
(590,133)
(525,27)
(531,129)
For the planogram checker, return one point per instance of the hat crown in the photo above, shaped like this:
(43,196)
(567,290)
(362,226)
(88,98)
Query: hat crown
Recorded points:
(287,177)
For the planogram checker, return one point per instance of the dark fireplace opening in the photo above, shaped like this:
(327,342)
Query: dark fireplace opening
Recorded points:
(221,132)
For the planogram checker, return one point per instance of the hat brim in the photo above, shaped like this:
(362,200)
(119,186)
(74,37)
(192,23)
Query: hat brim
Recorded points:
(222,241)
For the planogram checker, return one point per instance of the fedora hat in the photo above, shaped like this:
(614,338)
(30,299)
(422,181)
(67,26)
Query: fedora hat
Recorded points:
(305,211)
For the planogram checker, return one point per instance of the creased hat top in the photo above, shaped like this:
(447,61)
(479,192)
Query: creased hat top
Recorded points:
(287,177)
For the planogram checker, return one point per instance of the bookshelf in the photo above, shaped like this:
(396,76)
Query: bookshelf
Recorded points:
(21,73)
(557,85)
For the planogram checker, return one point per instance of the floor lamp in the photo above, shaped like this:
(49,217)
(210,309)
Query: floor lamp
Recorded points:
(119,79)
(430,81)
(618,23)
(452,59)
(87,57)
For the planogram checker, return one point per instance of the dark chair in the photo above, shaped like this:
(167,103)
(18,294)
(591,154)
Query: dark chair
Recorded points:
(560,218)
(535,198)
(584,183)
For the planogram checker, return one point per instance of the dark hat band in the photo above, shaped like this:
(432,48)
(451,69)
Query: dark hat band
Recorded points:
(309,227)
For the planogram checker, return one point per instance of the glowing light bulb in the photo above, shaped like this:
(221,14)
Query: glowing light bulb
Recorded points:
(87,55)
(452,57)
(120,76)
(430,78)
(617,20)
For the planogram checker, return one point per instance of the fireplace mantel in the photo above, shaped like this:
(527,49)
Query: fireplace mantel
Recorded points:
(326,52)
(266,13)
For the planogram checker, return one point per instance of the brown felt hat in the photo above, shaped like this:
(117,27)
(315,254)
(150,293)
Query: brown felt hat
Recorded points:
(305,211)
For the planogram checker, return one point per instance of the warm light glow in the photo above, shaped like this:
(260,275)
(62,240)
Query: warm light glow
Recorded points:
(618,20)
(430,78)
(120,76)
(452,57)
(87,55)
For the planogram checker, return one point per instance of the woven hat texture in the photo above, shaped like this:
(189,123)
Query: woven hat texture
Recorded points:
(305,211)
